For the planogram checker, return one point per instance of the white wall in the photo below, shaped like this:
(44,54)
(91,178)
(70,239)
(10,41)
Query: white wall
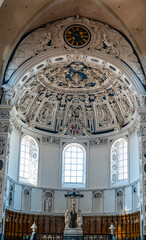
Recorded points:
(17,197)
(109,201)
(128,198)
(134,158)
(50,165)
(36,200)
(99,166)
(86,202)
(13,165)
(60,202)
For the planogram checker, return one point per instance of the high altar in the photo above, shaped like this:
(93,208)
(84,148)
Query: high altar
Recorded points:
(73,221)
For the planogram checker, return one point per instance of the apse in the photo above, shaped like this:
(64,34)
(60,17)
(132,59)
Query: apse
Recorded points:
(75,87)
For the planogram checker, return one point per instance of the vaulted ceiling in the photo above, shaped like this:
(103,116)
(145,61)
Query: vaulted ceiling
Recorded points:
(20,17)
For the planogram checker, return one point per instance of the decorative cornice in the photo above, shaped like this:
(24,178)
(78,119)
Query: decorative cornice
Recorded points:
(98,141)
(103,38)
(51,140)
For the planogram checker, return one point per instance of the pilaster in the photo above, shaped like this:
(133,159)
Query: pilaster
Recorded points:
(142,161)
(4,150)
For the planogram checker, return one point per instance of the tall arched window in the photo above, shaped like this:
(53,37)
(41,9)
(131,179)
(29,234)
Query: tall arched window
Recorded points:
(119,160)
(28,170)
(74,166)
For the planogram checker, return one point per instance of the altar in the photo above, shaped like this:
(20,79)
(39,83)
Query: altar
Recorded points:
(73,234)
(73,221)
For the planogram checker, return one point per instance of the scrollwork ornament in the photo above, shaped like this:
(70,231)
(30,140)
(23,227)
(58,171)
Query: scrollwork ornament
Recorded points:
(4,127)
(49,37)
(99,141)
(141,131)
(51,140)
(2,145)
(4,114)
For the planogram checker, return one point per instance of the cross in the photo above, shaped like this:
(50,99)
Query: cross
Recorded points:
(73,213)
(73,195)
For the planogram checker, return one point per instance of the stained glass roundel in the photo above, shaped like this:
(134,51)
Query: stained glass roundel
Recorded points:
(77,36)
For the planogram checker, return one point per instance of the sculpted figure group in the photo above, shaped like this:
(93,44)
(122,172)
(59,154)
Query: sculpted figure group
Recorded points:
(73,219)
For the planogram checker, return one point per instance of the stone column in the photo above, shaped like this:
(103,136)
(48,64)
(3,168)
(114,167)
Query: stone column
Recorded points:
(142,162)
(4,129)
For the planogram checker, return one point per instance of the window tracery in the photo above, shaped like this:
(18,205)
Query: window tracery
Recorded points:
(28,160)
(119,160)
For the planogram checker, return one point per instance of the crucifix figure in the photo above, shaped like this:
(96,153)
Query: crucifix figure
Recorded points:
(73,213)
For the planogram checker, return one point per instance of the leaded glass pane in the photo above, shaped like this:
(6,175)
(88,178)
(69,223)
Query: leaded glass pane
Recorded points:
(28,160)
(74,164)
(120,147)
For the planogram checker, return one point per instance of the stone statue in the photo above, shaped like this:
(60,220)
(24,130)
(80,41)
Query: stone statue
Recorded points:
(48,204)
(67,219)
(79,219)
(73,214)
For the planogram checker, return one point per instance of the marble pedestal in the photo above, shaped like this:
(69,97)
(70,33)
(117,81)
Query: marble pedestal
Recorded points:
(73,234)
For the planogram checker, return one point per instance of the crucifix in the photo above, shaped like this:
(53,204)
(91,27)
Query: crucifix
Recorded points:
(73,213)
(73,195)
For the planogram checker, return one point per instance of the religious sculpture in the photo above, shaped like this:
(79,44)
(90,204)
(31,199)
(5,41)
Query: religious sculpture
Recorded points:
(48,204)
(73,219)
(73,215)
(67,219)
(79,219)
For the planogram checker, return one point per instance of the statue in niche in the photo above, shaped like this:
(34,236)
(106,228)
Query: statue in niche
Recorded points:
(11,194)
(120,201)
(48,202)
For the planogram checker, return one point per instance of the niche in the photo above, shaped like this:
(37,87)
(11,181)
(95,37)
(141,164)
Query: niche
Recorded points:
(119,201)
(26,199)
(47,201)
(98,202)
(11,195)
(135,197)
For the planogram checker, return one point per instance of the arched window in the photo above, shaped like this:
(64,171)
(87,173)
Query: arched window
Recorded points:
(28,160)
(74,166)
(119,160)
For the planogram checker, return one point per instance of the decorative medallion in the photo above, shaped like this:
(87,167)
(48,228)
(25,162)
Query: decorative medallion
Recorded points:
(77,36)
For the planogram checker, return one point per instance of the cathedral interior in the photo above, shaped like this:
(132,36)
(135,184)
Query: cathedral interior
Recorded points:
(73,119)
